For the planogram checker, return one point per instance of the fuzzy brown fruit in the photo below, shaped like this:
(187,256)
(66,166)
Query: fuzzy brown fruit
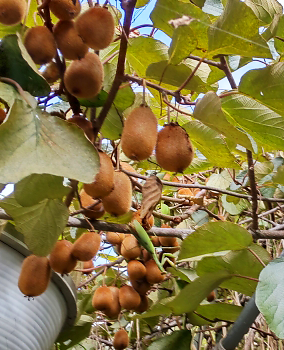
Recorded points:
(173,248)
(95,212)
(156,241)
(144,304)
(115,237)
(211,296)
(12,11)
(65,9)
(88,265)
(102,298)
(51,73)
(174,151)
(34,276)
(153,273)
(146,223)
(84,124)
(84,78)
(167,241)
(141,286)
(68,40)
(61,260)
(40,44)
(86,246)
(96,27)
(130,248)
(104,180)
(129,299)
(118,202)
(115,308)
(120,340)
(136,270)
(139,134)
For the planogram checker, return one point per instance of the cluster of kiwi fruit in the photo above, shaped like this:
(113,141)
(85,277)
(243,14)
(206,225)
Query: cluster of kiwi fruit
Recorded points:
(73,35)
(173,148)
(36,270)
(112,187)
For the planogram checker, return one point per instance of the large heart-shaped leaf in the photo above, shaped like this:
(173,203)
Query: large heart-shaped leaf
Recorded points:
(44,144)
(41,224)
(215,237)
(269,295)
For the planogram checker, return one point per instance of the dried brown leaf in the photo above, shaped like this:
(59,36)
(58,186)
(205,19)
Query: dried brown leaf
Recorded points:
(151,195)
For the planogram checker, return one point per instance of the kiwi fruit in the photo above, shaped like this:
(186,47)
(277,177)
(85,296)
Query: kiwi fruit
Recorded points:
(65,9)
(84,78)
(146,223)
(12,12)
(51,73)
(34,276)
(211,296)
(97,211)
(102,298)
(129,299)
(153,273)
(86,246)
(115,308)
(144,304)
(2,115)
(141,286)
(115,237)
(84,124)
(120,340)
(61,260)
(145,255)
(173,248)
(104,180)
(167,241)
(88,265)
(174,151)
(118,202)
(68,40)
(136,270)
(96,27)
(40,44)
(156,241)
(139,134)
(130,248)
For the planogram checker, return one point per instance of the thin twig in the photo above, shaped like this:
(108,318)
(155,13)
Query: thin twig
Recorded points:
(253,190)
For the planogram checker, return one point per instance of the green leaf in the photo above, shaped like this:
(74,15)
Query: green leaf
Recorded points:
(176,340)
(97,101)
(16,64)
(174,76)
(263,124)
(208,110)
(141,3)
(197,290)
(41,224)
(222,180)
(34,188)
(166,10)
(210,144)
(266,86)
(236,32)
(233,208)
(220,311)
(157,309)
(44,144)
(279,45)
(198,165)
(215,237)
(143,51)
(269,295)
(75,334)
(279,176)
(265,10)
(241,262)
(112,126)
